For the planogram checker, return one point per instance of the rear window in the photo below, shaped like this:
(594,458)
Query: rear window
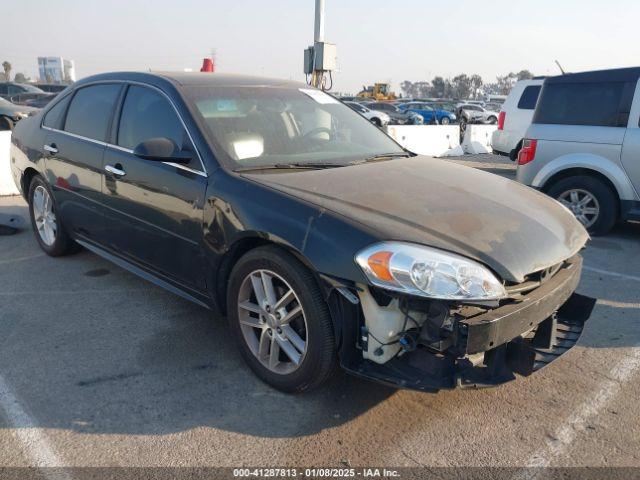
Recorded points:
(529,97)
(595,104)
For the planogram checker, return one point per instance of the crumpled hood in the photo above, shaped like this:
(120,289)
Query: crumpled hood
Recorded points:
(513,229)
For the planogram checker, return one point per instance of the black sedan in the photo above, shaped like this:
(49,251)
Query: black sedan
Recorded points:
(319,237)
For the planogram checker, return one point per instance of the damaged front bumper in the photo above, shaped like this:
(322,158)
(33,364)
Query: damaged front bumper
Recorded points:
(490,348)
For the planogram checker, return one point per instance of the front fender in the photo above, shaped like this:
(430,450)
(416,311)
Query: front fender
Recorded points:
(239,208)
(609,169)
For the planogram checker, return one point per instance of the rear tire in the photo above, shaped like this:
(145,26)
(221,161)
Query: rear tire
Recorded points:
(46,222)
(254,319)
(492,120)
(588,198)
(377,122)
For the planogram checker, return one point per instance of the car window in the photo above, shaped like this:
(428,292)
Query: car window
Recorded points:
(54,118)
(90,111)
(3,89)
(529,97)
(147,114)
(595,104)
(13,89)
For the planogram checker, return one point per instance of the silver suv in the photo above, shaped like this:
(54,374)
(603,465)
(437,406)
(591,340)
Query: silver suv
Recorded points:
(583,147)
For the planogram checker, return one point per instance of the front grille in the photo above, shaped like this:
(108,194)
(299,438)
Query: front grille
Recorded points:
(533,280)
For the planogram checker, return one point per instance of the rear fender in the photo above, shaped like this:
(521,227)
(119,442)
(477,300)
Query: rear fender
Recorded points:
(611,170)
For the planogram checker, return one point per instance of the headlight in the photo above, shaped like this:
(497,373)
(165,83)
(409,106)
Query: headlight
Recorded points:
(428,272)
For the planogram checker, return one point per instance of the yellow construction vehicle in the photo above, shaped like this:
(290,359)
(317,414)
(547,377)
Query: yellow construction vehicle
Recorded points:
(379,91)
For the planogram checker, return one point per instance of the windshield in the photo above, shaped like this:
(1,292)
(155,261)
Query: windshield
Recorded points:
(263,126)
(31,88)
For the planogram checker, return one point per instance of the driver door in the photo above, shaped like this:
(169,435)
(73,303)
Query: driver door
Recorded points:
(154,209)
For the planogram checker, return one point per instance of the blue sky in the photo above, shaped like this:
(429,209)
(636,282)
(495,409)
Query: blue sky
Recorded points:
(378,40)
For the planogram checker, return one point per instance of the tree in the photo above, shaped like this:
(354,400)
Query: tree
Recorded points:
(6,66)
(461,85)
(438,87)
(476,85)
(21,78)
(524,75)
(506,83)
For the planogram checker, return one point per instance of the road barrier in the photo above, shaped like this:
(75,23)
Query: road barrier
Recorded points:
(433,140)
(7,187)
(477,138)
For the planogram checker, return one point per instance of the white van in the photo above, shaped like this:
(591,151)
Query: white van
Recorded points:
(515,117)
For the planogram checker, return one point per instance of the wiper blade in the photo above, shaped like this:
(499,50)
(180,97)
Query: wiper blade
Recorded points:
(386,156)
(291,166)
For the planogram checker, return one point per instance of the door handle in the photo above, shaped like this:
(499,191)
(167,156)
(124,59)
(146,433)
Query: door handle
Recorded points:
(117,170)
(51,148)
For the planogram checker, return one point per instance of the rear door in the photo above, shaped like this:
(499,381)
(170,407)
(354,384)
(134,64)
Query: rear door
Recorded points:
(77,128)
(154,211)
(631,146)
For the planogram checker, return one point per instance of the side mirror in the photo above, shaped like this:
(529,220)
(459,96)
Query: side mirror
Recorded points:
(162,149)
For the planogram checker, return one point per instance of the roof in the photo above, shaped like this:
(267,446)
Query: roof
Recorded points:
(611,75)
(196,79)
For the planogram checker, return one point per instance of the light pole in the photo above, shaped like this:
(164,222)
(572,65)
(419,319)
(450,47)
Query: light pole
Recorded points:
(319,59)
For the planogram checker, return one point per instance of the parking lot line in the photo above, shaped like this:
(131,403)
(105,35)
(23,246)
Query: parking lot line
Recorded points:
(612,274)
(557,444)
(32,440)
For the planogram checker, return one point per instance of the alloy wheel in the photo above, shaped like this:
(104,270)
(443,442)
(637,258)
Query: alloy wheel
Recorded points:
(272,321)
(44,216)
(583,204)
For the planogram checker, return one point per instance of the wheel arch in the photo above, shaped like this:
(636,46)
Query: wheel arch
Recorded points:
(585,164)
(241,247)
(580,171)
(27,177)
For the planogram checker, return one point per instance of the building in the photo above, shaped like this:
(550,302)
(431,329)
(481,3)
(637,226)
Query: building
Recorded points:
(56,70)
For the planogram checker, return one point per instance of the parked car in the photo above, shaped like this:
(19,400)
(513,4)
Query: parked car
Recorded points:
(471,113)
(378,118)
(51,87)
(429,113)
(396,116)
(21,92)
(443,105)
(319,237)
(584,144)
(515,117)
(10,114)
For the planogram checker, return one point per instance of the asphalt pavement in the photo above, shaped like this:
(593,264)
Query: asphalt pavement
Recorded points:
(100,368)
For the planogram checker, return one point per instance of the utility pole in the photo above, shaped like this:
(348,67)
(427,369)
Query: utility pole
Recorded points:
(320,58)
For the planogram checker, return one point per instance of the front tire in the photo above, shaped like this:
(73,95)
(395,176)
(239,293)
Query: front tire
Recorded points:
(590,199)
(377,122)
(445,121)
(46,221)
(280,320)
(492,120)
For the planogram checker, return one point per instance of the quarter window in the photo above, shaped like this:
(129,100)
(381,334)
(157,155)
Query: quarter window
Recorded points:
(90,111)
(147,114)
(529,97)
(55,117)
(595,104)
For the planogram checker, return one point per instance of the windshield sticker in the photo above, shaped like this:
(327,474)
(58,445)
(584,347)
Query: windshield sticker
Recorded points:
(319,96)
